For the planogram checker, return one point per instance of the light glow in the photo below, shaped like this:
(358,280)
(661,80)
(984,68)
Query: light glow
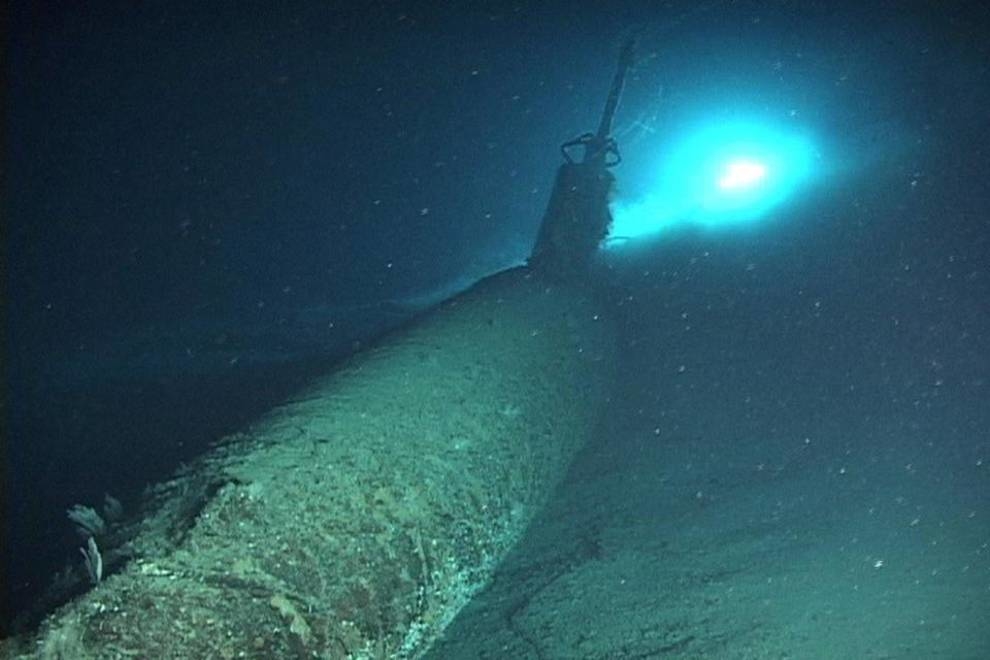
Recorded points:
(718,175)
(742,174)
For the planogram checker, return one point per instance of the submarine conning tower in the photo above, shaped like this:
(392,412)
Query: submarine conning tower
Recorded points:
(577,218)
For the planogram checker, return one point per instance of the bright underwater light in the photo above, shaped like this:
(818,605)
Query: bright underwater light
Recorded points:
(724,174)
(742,174)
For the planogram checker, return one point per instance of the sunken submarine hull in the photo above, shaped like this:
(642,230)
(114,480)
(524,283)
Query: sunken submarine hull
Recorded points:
(357,519)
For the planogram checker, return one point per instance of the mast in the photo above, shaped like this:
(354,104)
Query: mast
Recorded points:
(577,217)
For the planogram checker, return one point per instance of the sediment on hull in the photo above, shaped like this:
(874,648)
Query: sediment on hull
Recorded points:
(358,518)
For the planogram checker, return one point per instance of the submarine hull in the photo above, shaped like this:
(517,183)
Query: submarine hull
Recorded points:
(357,519)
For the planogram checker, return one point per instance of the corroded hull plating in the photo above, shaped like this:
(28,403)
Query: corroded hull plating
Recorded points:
(357,519)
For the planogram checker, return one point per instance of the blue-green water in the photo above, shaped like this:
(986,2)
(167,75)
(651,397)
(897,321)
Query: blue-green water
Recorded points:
(206,205)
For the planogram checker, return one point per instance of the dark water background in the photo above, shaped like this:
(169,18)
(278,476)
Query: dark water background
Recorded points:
(207,204)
